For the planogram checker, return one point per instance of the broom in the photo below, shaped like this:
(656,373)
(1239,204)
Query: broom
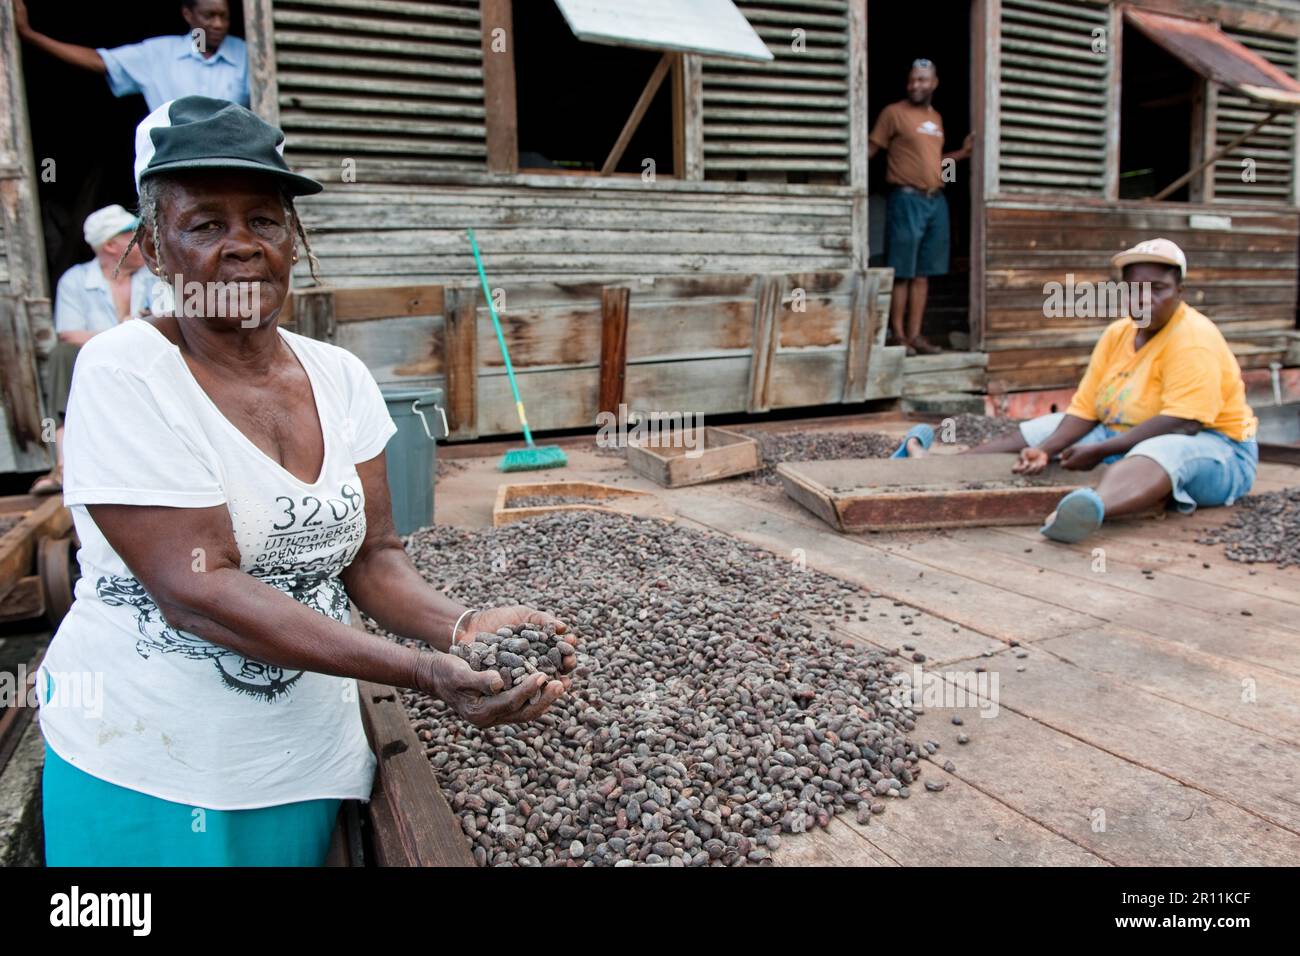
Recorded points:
(532,457)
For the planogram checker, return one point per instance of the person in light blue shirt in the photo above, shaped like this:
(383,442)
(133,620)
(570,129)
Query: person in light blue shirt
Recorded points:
(94,297)
(204,62)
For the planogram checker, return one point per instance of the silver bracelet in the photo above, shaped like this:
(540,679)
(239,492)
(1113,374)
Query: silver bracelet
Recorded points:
(456,627)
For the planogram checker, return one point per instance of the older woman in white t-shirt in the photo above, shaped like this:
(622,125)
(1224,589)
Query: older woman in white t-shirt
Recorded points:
(228,484)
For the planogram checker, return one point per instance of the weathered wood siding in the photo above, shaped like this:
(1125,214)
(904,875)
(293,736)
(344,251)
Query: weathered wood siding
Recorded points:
(1243,277)
(536,227)
(1263,167)
(1053,96)
(709,344)
(391,81)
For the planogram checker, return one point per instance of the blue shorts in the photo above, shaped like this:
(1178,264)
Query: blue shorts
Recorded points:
(91,822)
(916,234)
(1206,469)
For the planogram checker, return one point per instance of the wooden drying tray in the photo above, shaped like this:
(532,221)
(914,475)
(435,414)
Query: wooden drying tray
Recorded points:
(914,493)
(503,513)
(716,453)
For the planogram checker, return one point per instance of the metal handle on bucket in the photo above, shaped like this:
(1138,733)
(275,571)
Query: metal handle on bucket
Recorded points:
(415,408)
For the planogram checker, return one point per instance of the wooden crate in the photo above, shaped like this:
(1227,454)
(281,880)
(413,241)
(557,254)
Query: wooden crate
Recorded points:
(721,454)
(503,512)
(933,492)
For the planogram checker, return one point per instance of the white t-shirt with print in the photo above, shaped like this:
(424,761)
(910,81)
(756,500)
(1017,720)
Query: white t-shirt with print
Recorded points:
(131,700)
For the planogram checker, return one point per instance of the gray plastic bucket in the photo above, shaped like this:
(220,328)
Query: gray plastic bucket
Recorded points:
(412,453)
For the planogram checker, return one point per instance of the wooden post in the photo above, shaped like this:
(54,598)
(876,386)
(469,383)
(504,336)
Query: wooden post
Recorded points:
(19,208)
(991,131)
(259,35)
(861,337)
(766,338)
(614,301)
(313,313)
(499,92)
(460,361)
(638,112)
(1114,92)
(1201,143)
(19,386)
(858,132)
(689,117)
(979,161)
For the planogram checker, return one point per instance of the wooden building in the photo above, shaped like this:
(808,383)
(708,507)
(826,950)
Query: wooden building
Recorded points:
(739,212)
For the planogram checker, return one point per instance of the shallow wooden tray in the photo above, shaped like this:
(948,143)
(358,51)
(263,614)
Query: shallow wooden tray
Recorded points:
(722,454)
(504,513)
(915,493)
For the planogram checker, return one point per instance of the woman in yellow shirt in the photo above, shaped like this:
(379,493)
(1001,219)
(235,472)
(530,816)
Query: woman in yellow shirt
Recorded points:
(1162,403)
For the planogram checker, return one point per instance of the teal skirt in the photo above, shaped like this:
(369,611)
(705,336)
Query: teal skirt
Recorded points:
(90,822)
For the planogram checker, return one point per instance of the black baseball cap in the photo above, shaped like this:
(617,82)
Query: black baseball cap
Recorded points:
(199,132)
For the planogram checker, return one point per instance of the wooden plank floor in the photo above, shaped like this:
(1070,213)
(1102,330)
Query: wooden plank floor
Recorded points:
(1138,719)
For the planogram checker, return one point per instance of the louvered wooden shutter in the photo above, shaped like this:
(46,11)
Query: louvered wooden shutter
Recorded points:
(790,115)
(1272,149)
(1053,97)
(394,80)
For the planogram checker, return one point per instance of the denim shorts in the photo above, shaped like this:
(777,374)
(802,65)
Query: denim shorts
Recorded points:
(1206,469)
(916,234)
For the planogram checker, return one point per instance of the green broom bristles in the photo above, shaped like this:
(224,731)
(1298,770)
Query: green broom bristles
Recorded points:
(534,459)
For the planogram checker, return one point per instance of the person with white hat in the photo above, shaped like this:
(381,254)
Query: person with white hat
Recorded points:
(228,482)
(91,298)
(1162,404)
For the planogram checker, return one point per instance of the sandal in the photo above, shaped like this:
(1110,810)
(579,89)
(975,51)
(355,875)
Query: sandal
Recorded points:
(50,484)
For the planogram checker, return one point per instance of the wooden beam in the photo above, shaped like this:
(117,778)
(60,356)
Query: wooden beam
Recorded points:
(499,92)
(19,208)
(1201,142)
(692,117)
(861,337)
(460,361)
(858,132)
(259,35)
(20,387)
(1114,90)
(638,112)
(766,338)
(981,158)
(614,302)
(411,823)
(314,314)
(991,131)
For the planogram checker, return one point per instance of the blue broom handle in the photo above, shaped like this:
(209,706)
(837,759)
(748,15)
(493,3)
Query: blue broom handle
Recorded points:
(505,352)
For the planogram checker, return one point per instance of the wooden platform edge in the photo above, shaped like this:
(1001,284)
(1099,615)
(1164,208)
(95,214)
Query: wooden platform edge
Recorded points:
(411,823)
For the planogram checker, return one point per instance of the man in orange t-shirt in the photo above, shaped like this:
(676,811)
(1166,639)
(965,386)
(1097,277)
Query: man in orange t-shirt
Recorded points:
(916,236)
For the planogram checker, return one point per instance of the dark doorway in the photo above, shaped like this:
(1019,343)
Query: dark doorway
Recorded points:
(83,137)
(897,35)
(1158,105)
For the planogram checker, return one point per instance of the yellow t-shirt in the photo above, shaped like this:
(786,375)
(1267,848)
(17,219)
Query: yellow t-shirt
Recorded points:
(1186,370)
